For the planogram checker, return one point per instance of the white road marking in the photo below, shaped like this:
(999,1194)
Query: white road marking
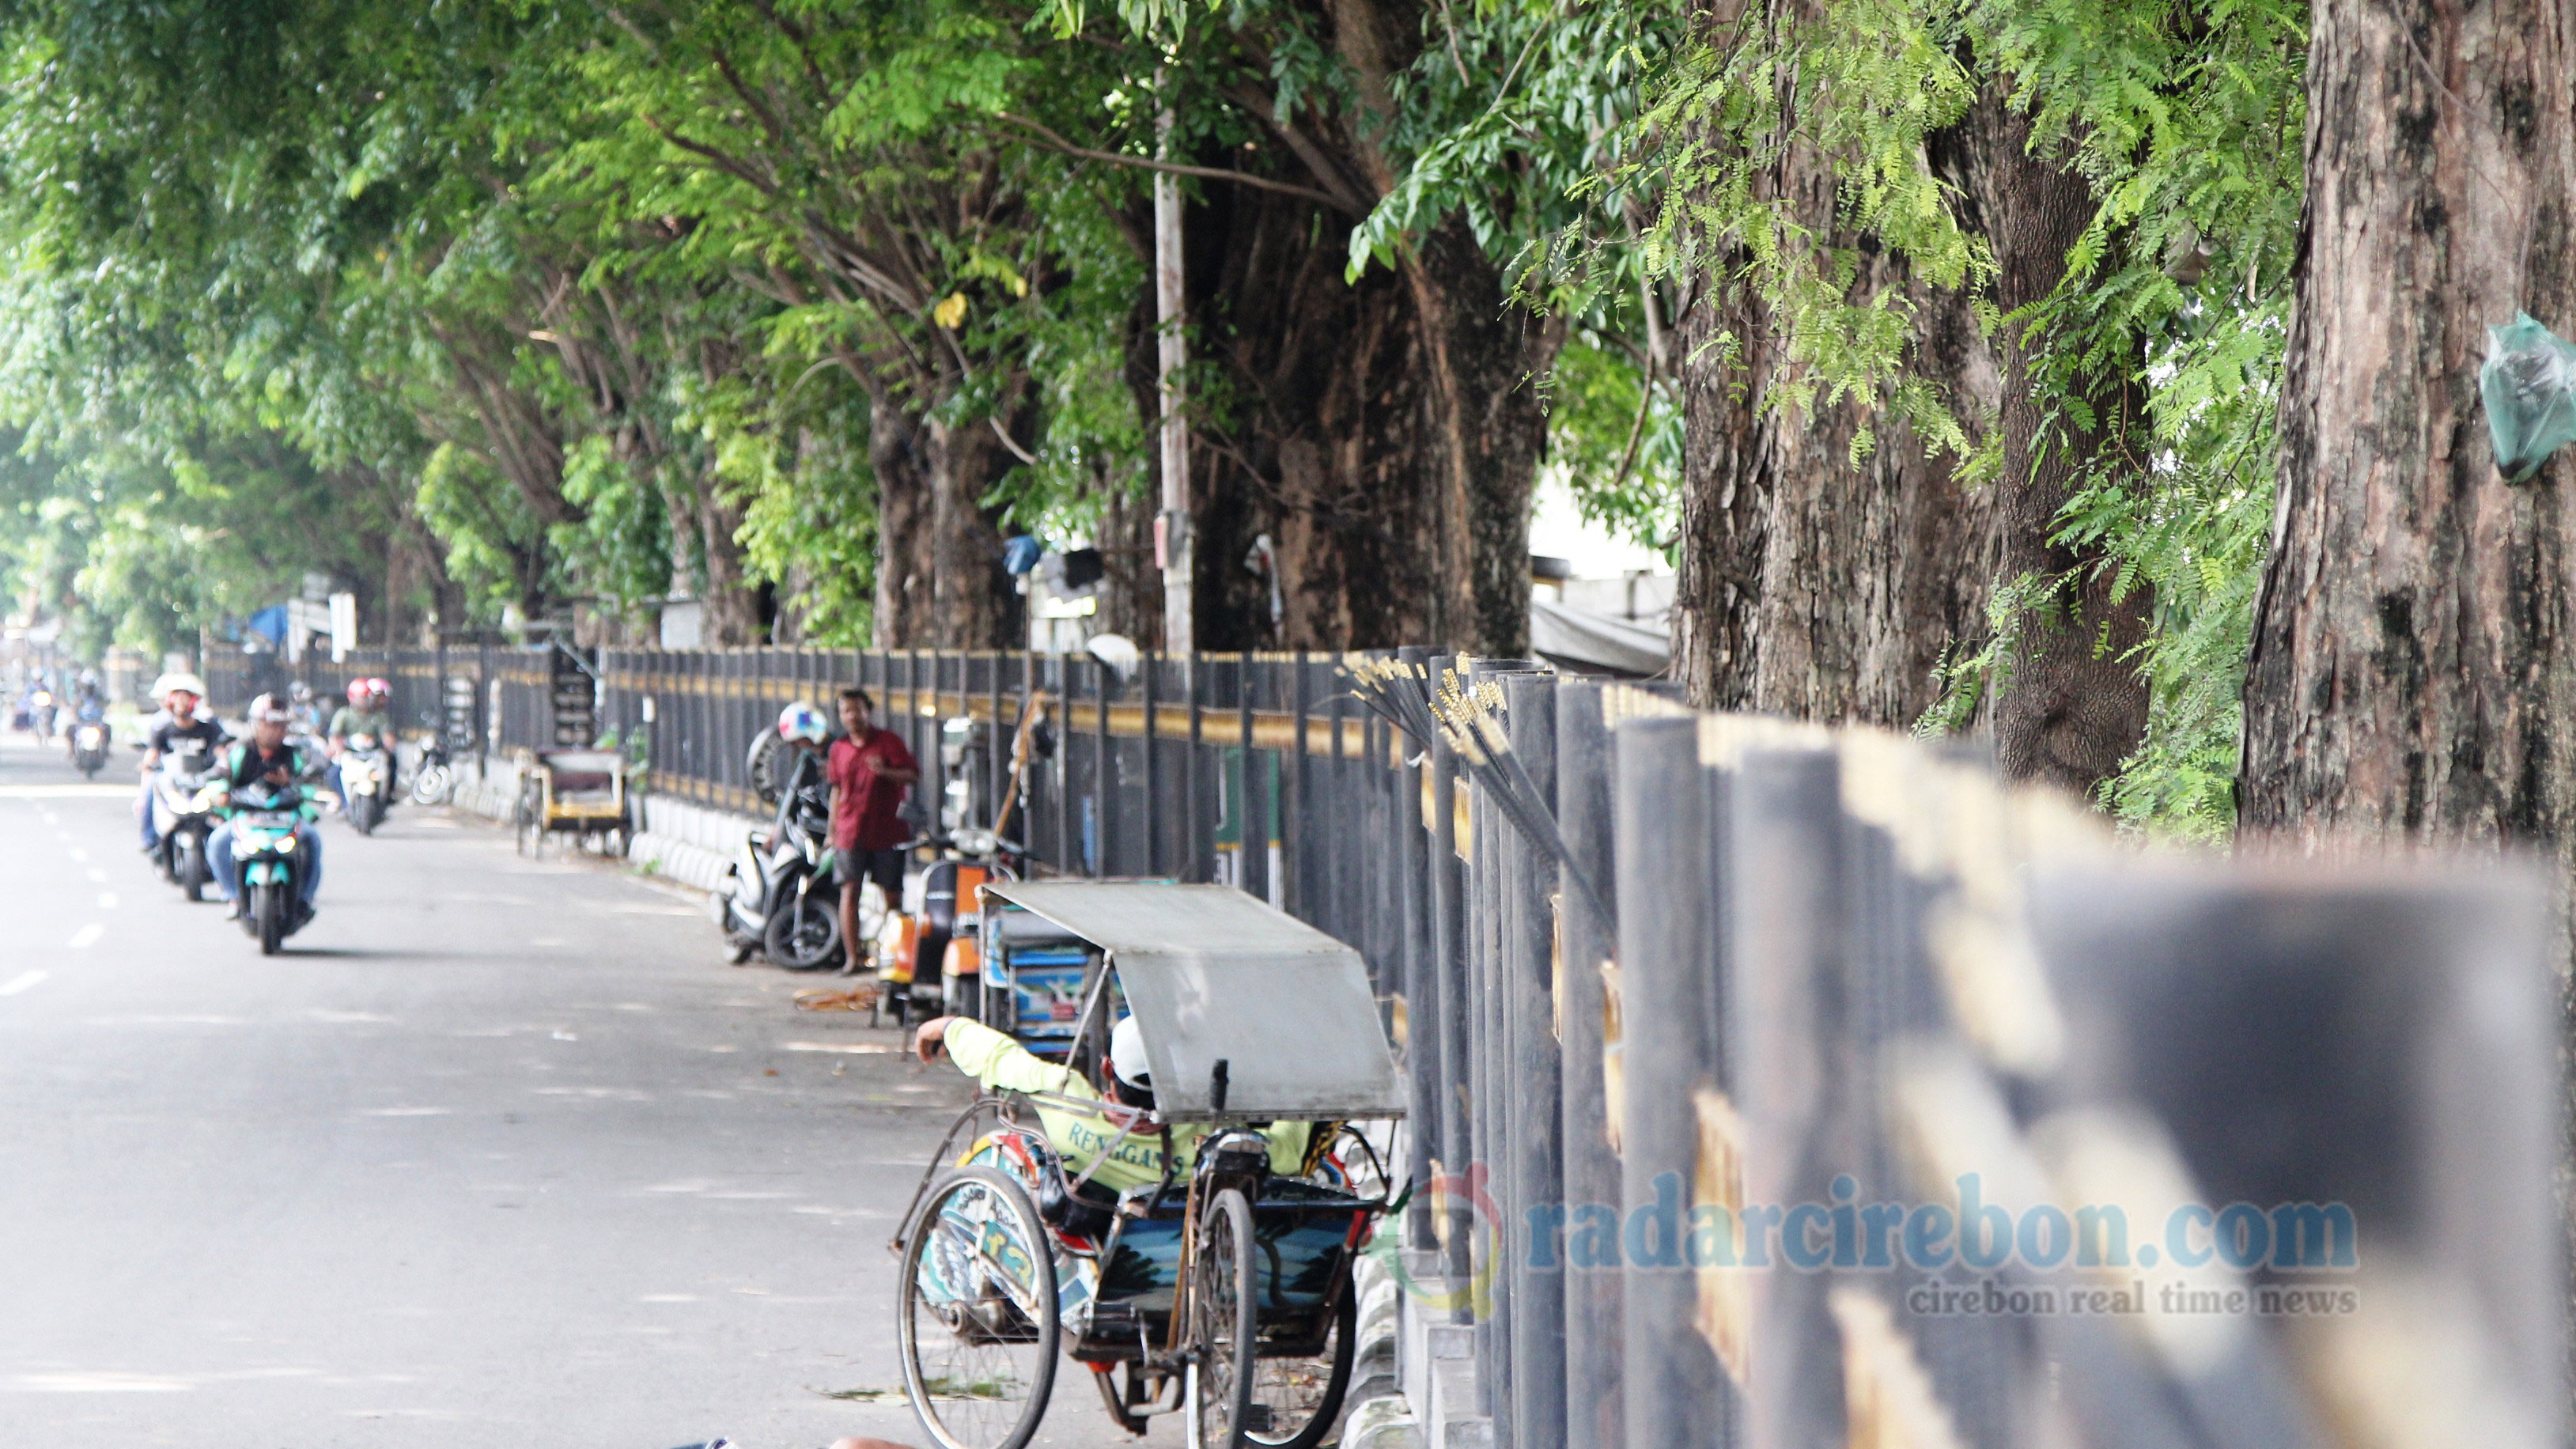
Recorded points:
(21,982)
(852,1048)
(80,855)
(107,900)
(97,876)
(86,936)
(409,1112)
(103,1381)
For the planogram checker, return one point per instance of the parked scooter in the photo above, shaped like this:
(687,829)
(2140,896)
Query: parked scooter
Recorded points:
(366,769)
(183,815)
(264,849)
(435,777)
(926,957)
(780,899)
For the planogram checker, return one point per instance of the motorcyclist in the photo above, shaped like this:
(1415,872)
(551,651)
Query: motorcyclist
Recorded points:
(174,728)
(1113,1145)
(89,707)
(364,714)
(266,758)
(41,705)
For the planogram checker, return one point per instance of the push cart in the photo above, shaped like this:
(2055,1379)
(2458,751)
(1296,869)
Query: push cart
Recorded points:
(576,792)
(1223,1290)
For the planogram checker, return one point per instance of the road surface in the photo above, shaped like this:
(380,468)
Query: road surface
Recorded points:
(501,1153)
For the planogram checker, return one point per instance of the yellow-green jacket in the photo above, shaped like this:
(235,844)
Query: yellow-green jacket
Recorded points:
(992,1058)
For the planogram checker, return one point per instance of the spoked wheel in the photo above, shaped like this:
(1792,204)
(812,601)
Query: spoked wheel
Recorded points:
(806,936)
(977,1313)
(1299,1398)
(1219,1391)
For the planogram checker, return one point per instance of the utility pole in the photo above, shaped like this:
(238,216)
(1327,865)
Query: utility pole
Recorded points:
(1172,542)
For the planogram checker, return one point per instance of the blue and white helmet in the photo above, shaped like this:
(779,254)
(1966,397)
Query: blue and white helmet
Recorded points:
(802,721)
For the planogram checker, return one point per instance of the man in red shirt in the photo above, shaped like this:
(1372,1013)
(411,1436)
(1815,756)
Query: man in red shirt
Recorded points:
(869,769)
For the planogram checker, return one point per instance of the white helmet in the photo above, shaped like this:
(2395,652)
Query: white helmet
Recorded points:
(1127,1054)
(802,721)
(163,687)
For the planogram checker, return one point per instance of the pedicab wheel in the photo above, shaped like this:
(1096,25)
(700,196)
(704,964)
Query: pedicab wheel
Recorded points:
(268,910)
(1218,1394)
(976,1313)
(1301,1397)
(804,937)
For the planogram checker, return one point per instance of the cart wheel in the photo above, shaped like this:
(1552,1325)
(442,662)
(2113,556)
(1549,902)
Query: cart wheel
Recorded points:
(976,1313)
(1301,1397)
(1218,1395)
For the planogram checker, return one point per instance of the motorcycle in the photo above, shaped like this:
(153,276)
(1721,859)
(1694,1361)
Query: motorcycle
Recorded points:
(89,747)
(183,815)
(779,898)
(927,960)
(264,849)
(365,770)
(435,776)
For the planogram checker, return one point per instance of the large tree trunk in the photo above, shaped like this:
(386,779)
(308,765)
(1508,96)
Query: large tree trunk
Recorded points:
(2408,675)
(1489,431)
(2075,704)
(973,605)
(1726,492)
(899,457)
(731,601)
(1329,451)
(1811,585)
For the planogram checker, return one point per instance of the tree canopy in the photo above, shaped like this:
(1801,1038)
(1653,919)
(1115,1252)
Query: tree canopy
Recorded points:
(799,307)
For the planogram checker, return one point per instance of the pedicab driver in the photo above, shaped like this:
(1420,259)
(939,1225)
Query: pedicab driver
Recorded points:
(1135,1154)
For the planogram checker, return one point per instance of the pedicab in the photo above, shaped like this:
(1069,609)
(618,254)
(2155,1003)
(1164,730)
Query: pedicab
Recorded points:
(578,792)
(1222,1290)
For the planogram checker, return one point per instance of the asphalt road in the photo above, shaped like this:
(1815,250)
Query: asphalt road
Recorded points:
(499,1153)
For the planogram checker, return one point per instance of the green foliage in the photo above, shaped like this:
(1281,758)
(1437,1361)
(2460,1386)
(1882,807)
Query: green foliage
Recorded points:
(2184,118)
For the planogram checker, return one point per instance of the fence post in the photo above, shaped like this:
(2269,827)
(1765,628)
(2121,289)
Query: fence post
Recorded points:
(1449,927)
(1534,1148)
(1790,929)
(1153,801)
(1672,1385)
(1198,841)
(1593,1345)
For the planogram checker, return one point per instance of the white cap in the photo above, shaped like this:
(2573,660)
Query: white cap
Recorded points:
(179,680)
(1127,1054)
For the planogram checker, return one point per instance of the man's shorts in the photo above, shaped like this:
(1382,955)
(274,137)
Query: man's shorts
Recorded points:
(885,867)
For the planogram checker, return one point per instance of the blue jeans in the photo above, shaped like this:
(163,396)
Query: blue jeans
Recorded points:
(143,808)
(308,869)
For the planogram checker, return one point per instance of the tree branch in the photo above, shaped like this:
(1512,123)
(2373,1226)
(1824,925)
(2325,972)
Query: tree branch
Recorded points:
(1055,142)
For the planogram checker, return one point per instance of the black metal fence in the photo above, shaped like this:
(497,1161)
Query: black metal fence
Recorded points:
(1781,1086)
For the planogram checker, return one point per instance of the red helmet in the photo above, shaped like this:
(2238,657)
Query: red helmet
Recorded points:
(357,690)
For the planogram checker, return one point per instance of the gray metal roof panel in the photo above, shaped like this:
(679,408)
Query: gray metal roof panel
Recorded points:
(1213,974)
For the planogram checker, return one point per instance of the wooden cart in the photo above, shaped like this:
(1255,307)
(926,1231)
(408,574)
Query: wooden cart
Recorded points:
(576,792)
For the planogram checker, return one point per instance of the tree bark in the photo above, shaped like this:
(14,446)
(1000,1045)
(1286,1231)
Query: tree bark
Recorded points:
(1328,451)
(2410,657)
(973,605)
(1491,433)
(899,457)
(1811,585)
(2075,705)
